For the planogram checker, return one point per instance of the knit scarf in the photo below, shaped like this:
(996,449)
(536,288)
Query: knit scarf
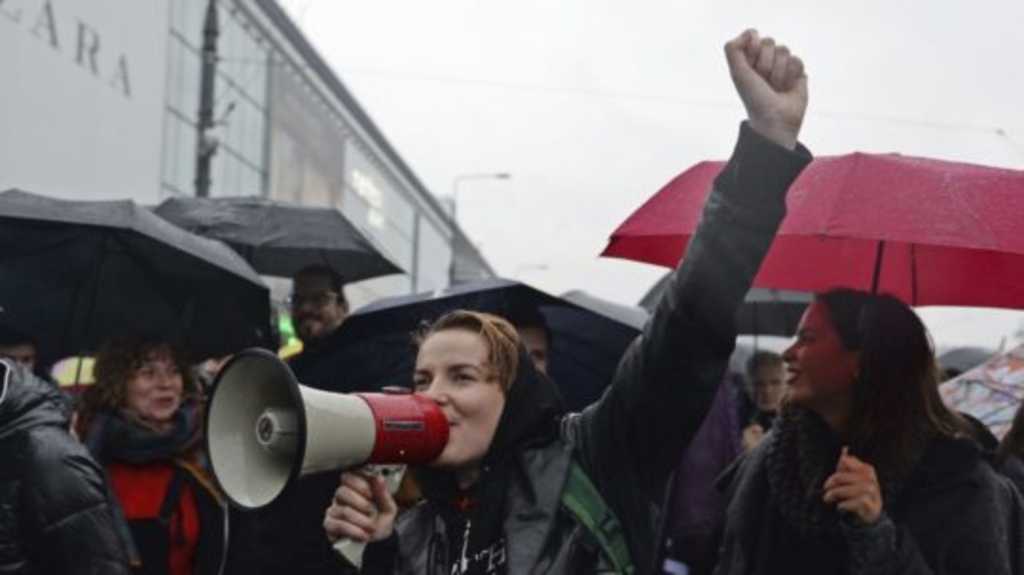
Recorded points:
(118,436)
(802,454)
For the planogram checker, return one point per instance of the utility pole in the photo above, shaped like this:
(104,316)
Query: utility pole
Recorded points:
(206,145)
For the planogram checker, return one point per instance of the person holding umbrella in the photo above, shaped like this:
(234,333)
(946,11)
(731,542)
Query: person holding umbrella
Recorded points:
(497,498)
(318,304)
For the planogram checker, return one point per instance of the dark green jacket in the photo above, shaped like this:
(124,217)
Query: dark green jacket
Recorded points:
(630,440)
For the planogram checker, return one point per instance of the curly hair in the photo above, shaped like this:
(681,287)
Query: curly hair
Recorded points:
(500,336)
(116,364)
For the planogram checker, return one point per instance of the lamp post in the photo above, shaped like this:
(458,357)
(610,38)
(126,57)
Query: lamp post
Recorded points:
(206,145)
(456,182)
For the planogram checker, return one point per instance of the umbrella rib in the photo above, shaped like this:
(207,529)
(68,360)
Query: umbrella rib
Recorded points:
(876,277)
(913,274)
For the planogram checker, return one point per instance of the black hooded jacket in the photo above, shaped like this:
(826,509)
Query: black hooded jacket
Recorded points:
(629,441)
(54,513)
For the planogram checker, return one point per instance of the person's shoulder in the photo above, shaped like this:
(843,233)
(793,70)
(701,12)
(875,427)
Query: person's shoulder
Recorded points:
(959,468)
(1013,468)
(59,477)
(52,456)
(51,444)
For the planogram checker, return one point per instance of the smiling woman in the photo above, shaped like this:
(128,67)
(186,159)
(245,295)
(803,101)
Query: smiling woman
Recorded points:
(865,460)
(142,422)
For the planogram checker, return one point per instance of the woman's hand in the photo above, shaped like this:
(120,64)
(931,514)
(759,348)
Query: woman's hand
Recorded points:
(362,510)
(753,434)
(854,489)
(772,84)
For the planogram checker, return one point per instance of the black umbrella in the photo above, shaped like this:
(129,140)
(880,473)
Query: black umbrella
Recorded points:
(764,311)
(374,345)
(630,315)
(279,239)
(75,273)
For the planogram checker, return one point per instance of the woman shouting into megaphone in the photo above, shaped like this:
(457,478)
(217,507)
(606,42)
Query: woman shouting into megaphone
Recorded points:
(521,488)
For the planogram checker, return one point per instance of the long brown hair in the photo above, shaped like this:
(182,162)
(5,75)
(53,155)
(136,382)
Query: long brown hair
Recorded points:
(116,364)
(896,402)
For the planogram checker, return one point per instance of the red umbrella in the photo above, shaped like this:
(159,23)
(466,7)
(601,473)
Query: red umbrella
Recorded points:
(927,231)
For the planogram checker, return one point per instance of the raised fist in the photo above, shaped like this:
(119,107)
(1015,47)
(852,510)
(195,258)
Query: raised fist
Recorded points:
(772,84)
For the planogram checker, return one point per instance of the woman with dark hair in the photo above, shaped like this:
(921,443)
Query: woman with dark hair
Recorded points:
(866,470)
(142,421)
(520,488)
(1010,456)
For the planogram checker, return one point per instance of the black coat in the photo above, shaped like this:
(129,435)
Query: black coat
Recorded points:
(55,515)
(955,516)
(1013,468)
(630,440)
(288,535)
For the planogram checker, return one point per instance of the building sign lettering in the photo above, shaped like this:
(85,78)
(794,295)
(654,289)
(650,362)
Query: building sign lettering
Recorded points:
(41,20)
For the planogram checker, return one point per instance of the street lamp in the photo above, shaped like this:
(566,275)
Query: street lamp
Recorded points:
(456,182)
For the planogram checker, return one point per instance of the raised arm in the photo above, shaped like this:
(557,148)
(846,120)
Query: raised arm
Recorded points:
(667,379)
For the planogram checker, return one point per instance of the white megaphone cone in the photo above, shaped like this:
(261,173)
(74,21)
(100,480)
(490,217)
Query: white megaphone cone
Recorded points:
(264,430)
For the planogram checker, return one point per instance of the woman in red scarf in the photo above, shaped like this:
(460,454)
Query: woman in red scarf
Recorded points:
(142,422)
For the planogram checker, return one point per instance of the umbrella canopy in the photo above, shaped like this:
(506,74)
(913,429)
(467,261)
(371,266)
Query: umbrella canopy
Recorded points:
(74,274)
(375,345)
(634,316)
(927,231)
(991,392)
(764,311)
(279,239)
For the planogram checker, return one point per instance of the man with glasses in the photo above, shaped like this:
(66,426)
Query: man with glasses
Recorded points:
(317,303)
(288,533)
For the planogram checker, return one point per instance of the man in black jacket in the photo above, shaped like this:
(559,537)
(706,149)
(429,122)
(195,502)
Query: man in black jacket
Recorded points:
(54,513)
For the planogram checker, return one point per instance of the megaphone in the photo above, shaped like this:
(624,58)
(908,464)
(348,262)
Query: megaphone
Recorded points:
(264,430)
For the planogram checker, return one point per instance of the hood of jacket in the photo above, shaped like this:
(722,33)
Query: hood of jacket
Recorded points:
(27,401)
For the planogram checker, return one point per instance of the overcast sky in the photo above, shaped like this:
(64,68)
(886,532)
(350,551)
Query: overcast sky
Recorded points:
(593,105)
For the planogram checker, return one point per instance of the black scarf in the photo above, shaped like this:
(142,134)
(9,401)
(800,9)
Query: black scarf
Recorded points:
(803,452)
(116,436)
(533,408)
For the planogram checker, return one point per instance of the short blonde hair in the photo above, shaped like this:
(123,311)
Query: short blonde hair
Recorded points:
(500,336)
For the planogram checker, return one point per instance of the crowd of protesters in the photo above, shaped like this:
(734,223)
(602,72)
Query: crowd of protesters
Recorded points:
(837,456)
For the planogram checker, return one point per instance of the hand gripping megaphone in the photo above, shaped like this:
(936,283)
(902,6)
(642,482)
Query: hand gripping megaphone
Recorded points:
(264,430)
